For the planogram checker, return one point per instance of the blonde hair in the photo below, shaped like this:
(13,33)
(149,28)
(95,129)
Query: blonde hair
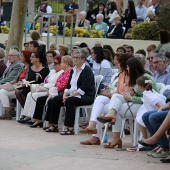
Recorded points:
(117,16)
(64,47)
(150,13)
(67,59)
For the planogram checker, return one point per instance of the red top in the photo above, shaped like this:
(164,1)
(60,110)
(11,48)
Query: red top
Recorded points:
(62,80)
(23,74)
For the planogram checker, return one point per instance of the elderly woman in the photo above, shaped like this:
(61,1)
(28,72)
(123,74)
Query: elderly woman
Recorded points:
(63,49)
(100,25)
(80,91)
(82,21)
(116,30)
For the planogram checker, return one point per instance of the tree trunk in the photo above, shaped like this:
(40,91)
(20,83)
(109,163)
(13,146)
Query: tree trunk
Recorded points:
(15,37)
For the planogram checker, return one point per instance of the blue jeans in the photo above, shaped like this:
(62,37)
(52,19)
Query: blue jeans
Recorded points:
(153,121)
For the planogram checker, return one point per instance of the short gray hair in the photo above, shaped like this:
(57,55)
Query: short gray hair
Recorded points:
(83,13)
(161,57)
(17,53)
(100,16)
(82,52)
(53,44)
(141,57)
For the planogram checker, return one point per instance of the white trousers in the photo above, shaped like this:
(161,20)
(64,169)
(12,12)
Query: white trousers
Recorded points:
(119,104)
(5,96)
(100,107)
(30,103)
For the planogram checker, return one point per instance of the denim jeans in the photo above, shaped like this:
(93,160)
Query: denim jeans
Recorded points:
(153,121)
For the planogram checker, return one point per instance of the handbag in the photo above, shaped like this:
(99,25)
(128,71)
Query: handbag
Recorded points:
(8,87)
(38,88)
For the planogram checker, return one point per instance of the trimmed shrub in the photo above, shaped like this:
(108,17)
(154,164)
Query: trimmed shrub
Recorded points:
(145,31)
(163,17)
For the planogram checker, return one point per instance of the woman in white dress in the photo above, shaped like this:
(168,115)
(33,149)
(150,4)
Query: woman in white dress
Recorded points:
(49,82)
(152,100)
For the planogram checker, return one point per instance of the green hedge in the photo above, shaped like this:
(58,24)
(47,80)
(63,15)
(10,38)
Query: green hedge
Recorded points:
(145,31)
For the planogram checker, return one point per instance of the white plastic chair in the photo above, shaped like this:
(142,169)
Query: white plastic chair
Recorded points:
(160,86)
(98,80)
(18,111)
(164,88)
(2,111)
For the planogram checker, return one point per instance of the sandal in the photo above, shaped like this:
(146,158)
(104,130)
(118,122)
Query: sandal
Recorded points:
(67,132)
(52,128)
(132,149)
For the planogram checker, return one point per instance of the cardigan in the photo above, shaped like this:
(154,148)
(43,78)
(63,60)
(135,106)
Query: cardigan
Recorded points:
(117,33)
(86,83)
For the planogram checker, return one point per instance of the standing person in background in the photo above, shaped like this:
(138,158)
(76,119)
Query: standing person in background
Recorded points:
(90,5)
(71,8)
(141,11)
(112,13)
(1,12)
(155,6)
(45,8)
(129,15)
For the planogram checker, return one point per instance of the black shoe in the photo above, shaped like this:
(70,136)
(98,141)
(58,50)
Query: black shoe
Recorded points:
(145,144)
(37,125)
(23,121)
(30,122)
(165,160)
(146,148)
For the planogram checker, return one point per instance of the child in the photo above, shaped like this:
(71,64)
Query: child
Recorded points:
(129,31)
(151,101)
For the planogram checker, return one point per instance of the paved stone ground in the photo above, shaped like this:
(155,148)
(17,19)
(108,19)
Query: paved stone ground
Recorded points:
(24,148)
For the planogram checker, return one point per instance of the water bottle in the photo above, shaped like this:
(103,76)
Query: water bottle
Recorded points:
(106,138)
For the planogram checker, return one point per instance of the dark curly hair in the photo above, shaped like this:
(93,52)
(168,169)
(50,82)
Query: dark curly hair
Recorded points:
(99,54)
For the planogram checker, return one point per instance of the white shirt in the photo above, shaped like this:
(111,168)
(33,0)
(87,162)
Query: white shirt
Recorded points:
(48,9)
(141,12)
(111,16)
(73,82)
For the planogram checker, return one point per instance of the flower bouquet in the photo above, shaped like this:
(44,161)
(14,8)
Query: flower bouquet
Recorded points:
(54,29)
(67,32)
(81,32)
(96,33)
(4,29)
(37,27)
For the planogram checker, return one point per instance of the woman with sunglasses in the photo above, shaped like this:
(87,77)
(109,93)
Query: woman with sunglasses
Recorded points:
(38,70)
(49,82)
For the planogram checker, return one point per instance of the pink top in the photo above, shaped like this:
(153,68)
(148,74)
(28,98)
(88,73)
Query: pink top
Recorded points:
(62,80)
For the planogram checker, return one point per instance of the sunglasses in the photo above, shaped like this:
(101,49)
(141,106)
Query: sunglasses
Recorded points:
(149,58)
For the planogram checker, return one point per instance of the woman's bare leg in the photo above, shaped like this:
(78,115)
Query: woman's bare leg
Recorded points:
(144,131)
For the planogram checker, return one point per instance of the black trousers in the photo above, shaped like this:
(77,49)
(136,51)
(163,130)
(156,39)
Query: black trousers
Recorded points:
(39,108)
(56,103)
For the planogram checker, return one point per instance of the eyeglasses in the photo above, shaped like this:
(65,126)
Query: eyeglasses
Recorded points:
(32,56)
(156,62)
(55,63)
(148,51)
(10,55)
(76,58)
(149,58)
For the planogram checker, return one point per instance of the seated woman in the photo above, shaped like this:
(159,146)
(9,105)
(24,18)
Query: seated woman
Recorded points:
(101,66)
(82,21)
(80,90)
(150,16)
(128,35)
(38,71)
(53,23)
(6,95)
(101,104)
(49,82)
(63,50)
(100,25)
(115,31)
(160,133)
(128,104)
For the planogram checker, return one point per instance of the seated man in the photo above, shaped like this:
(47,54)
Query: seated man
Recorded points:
(12,72)
(162,69)
(50,59)
(115,31)
(2,64)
